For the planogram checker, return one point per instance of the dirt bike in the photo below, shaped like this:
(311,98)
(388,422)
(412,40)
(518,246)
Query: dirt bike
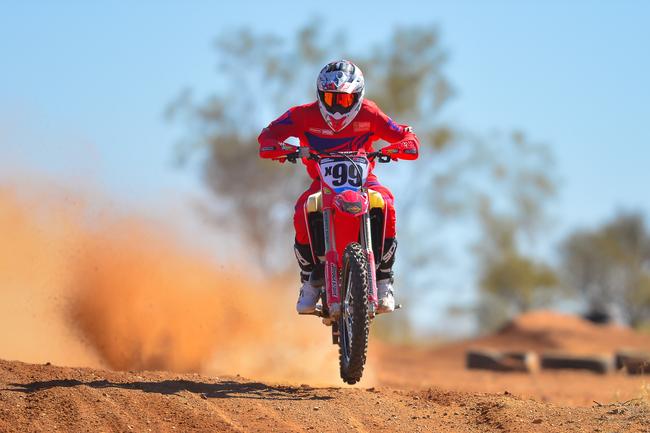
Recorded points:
(346,222)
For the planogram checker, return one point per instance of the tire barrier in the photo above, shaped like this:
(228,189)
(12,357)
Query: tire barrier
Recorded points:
(493,360)
(633,361)
(601,364)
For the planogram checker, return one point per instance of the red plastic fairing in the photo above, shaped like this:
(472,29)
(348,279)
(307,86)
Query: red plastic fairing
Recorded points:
(346,228)
(407,149)
(352,203)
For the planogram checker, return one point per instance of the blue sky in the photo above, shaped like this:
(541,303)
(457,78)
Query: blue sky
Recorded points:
(83,85)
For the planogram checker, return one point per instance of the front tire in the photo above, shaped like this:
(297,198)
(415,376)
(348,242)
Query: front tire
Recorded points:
(353,320)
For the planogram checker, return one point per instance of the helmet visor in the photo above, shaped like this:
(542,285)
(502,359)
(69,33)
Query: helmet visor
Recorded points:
(337,102)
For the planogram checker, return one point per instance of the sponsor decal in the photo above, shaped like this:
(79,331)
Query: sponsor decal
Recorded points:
(321,131)
(388,254)
(326,227)
(361,126)
(300,258)
(333,279)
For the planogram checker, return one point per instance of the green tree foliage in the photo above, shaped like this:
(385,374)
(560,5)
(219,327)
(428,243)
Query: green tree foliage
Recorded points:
(609,267)
(261,76)
(268,75)
(518,282)
(499,187)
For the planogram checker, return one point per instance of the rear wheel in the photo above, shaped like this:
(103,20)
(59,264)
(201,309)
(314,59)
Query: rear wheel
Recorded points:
(353,321)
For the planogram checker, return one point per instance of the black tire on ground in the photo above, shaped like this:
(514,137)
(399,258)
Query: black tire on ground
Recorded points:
(494,360)
(634,361)
(558,361)
(353,321)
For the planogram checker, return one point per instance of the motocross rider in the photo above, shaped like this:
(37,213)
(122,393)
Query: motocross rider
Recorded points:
(340,120)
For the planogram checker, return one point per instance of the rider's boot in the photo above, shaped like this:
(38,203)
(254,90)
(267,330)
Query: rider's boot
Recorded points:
(385,291)
(386,296)
(309,294)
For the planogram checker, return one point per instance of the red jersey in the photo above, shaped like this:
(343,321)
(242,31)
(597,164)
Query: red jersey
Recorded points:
(307,124)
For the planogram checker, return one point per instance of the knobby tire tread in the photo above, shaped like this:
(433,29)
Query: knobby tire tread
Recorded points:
(352,371)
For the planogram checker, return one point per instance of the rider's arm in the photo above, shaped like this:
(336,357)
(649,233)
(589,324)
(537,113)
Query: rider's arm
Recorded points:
(404,144)
(272,137)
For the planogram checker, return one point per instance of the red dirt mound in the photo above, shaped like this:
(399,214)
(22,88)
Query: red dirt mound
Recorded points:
(549,331)
(540,331)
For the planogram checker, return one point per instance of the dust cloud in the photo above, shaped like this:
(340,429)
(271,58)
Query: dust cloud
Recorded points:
(103,289)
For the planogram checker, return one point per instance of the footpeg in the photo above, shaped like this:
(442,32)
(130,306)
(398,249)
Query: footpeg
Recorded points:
(397,307)
(318,312)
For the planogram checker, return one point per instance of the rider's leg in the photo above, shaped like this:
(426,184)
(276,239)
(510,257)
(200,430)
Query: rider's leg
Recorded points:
(385,269)
(305,260)
(308,294)
(385,291)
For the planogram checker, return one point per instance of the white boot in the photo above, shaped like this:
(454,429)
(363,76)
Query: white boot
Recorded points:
(385,296)
(308,298)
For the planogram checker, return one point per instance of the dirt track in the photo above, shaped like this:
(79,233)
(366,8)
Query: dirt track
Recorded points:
(415,390)
(543,331)
(49,398)
(123,295)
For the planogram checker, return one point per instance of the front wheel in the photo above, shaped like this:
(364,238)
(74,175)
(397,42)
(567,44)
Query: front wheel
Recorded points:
(353,320)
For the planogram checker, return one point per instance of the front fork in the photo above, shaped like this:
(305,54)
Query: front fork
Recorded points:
(332,272)
(366,242)
(331,268)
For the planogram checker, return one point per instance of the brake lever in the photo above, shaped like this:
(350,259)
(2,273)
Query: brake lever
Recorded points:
(379,157)
(373,155)
(384,158)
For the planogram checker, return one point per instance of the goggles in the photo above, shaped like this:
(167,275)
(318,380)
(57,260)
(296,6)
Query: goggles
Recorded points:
(338,101)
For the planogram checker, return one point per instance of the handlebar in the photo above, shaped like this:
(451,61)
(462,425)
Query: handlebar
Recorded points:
(316,156)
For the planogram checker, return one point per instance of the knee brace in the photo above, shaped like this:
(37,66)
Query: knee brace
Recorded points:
(385,269)
(305,260)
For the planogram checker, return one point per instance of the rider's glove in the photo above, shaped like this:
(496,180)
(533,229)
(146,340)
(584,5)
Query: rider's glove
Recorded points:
(407,149)
(274,149)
